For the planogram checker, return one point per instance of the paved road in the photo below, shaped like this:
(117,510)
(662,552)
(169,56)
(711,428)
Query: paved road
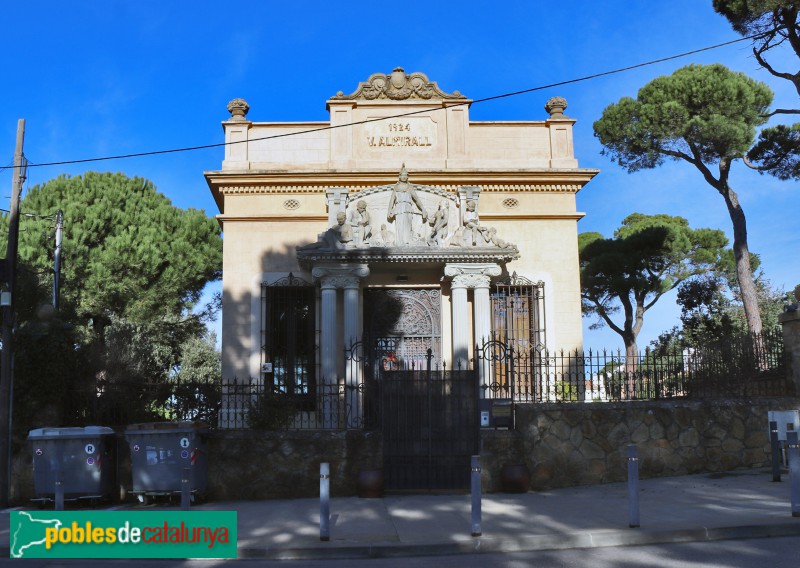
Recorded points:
(755,553)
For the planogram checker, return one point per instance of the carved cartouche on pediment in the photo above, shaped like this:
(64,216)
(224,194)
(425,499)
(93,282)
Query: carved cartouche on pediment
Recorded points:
(398,86)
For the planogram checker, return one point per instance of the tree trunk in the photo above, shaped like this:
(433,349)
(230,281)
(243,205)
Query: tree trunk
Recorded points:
(744,274)
(631,365)
(747,286)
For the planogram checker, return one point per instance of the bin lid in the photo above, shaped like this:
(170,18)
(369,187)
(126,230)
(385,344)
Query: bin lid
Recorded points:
(70,432)
(185,426)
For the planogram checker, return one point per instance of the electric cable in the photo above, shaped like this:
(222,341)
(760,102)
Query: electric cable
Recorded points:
(402,115)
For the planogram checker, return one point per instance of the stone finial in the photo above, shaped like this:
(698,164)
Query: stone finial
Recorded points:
(556,107)
(238,109)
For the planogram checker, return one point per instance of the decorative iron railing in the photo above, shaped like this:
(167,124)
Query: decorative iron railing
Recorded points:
(738,368)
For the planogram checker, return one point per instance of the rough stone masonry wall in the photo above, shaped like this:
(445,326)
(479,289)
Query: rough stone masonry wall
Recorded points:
(251,464)
(582,443)
(790,322)
(562,445)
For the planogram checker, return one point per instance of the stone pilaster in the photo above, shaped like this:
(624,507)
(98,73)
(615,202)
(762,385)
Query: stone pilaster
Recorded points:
(336,198)
(790,321)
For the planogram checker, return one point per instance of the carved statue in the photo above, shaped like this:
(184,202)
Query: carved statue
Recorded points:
(404,203)
(458,238)
(338,236)
(387,236)
(439,223)
(362,224)
(345,230)
(474,233)
(497,241)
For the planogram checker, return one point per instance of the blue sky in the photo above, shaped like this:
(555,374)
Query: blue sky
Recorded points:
(95,79)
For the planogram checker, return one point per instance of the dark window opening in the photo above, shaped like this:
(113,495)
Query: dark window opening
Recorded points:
(288,338)
(518,324)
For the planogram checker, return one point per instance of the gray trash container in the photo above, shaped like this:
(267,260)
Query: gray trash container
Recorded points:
(162,452)
(83,458)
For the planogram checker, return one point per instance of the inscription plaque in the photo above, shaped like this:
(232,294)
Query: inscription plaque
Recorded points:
(406,132)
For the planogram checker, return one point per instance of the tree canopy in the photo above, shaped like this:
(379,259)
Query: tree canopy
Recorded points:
(133,270)
(127,251)
(706,116)
(648,256)
(774,22)
(776,25)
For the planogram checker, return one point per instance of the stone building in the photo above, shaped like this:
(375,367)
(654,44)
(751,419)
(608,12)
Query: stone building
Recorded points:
(399,221)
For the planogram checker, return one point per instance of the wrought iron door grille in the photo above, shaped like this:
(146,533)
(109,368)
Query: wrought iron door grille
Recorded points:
(518,329)
(403,325)
(288,337)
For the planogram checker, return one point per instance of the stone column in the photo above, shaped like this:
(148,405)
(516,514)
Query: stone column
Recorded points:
(353,373)
(333,277)
(790,321)
(482,321)
(465,276)
(328,349)
(458,293)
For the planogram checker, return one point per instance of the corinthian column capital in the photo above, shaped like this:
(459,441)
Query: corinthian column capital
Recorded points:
(466,275)
(340,275)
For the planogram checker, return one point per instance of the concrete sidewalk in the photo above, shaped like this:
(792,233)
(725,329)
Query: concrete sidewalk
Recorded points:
(737,504)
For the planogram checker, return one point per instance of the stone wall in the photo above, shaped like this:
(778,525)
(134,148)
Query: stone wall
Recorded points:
(270,465)
(790,322)
(564,445)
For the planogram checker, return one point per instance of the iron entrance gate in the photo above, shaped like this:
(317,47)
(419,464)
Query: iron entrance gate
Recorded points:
(428,415)
(429,421)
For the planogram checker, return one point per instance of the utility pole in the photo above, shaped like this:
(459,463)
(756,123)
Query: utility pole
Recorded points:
(9,316)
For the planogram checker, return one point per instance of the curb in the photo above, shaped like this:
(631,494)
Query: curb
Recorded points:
(633,537)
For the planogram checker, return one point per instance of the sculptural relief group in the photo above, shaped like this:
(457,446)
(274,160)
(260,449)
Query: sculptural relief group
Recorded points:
(407,220)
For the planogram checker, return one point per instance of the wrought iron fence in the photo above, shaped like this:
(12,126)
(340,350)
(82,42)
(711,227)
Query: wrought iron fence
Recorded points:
(734,369)
(739,367)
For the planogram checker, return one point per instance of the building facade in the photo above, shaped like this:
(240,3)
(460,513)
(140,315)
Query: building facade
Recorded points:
(399,225)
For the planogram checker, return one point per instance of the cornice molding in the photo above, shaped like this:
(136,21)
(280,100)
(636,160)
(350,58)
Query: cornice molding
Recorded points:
(270,218)
(534,216)
(490,180)
(324,218)
(413,255)
(318,183)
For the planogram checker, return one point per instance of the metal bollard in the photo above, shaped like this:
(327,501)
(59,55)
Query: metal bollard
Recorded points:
(476,495)
(186,490)
(324,502)
(793,449)
(59,494)
(776,451)
(633,487)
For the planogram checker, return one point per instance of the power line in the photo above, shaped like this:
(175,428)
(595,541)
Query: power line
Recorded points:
(396,116)
(36,215)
